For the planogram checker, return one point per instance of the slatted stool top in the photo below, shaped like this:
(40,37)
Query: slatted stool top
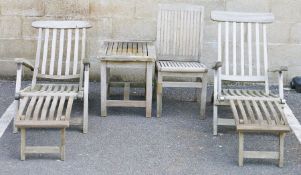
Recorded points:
(259,115)
(179,66)
(45,111)
(129,51)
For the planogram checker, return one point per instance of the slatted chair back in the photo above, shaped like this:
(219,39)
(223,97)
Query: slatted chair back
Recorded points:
(180,32)
(242,46)
(60,50)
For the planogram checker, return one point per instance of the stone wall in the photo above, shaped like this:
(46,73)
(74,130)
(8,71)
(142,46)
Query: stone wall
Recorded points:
(136,19)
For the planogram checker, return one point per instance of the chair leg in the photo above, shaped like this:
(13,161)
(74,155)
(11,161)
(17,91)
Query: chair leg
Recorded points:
(281,149)
(203,97)
(86,103)
(23,143)
(240,148)
(215,116)
(15,129)
(63,141)
(103,92)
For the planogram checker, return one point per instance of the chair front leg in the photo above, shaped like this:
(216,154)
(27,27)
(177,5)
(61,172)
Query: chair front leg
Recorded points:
(203,97)
(159,94)
(86,97)
(17,91)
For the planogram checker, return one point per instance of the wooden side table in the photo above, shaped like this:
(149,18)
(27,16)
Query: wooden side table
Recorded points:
(125,54)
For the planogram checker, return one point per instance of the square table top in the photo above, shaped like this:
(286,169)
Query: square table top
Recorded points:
(139,51)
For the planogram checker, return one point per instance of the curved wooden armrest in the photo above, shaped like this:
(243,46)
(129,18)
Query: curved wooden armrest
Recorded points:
(278,69)
(25,62)
(217,65)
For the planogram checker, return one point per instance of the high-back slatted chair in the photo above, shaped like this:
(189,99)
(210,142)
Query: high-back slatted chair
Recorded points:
(60,61)
(243,57)
(179,48)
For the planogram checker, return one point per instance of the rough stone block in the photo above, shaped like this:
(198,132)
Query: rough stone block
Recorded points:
(295,34)
(140,29)
(248,5)
(286,10)
(116,8)
(101,28)
(24,8)
(10,27)
(279,32)
(13,48)
(67,8)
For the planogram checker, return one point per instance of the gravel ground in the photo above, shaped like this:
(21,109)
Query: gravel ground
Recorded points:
(126,142)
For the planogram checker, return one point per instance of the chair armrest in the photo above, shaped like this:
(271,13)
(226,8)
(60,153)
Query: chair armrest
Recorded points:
(25,63)
(217,65)
(278,69)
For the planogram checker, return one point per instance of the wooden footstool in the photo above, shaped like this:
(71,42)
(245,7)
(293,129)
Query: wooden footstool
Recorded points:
(261,116)
(44,111)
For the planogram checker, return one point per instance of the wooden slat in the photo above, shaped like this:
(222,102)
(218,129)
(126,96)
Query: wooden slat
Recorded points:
(234,49)
(274,113)
(266,112)
(250,54)
(250,112)
(234,110)
(76,51)
(265,56)
(243,112)
(61,52)
(53,48)
(69,46)
(257,111)
(46,105)
(39,104)
(257,49)
(69,107)
(227,48)
(38,56)
(60,108)
(23,103)
(242,49)
(30,108)
(45,52)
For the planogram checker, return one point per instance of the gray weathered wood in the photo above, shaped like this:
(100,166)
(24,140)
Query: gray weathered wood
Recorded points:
(179,48)
(127,54)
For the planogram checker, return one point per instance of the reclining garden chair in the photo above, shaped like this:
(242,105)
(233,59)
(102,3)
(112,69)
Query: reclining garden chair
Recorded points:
(243,50)
(48,105)
(179,49)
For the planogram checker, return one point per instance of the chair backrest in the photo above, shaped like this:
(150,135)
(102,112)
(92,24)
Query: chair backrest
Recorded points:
(180,32)
(242,46)
(60,45)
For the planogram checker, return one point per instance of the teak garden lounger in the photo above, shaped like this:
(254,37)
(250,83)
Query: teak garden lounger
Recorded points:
(243,50)
(179,49)
(60,57)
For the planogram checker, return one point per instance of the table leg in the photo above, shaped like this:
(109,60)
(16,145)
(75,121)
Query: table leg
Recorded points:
(103,90)
(149,88)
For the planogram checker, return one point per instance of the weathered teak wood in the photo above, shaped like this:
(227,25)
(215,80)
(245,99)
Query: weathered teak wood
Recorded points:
(45,111)
(243,49)
(245,59)
(127,54)
(259,116)
(179,48)
(60,56)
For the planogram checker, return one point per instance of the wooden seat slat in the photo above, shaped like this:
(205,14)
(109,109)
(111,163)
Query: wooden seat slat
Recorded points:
(266,112)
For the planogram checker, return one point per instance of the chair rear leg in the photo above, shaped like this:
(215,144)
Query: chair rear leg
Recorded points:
(240,148)
(23,143)
(15,129)
(63,142)
(281,149)
(215,117)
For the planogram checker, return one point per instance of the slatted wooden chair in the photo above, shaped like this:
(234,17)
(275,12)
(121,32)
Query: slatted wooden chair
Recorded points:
(243,50)
(179,48)
(61,63)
